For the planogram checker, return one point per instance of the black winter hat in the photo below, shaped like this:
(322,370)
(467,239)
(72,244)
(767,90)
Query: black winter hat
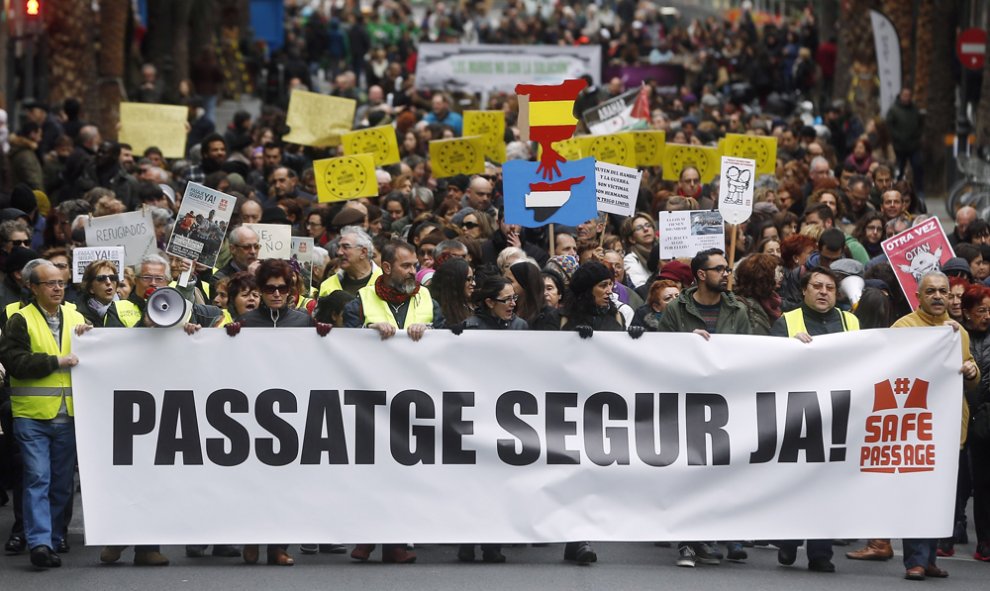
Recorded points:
(588,275)
(17,258)
(22,198)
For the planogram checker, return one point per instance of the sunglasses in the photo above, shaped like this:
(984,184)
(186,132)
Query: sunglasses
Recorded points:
(470,225)
(270,289)
(105,278)
(20,242)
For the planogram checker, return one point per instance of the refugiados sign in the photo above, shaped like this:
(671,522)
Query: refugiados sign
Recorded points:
(189,439)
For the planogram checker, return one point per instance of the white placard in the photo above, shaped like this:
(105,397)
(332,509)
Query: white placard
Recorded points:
(83,256)
(302,254)
(887,44)
(617,188)
(361,440)
(201,225)
(735,190)
(275,240)
(685,233)
(134,231)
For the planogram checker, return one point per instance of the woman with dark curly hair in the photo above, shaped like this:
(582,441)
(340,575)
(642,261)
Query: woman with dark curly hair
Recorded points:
(589,300)
(869,232)
(758,278)
(452,286)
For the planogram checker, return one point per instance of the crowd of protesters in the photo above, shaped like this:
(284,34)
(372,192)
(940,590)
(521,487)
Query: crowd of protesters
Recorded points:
(437,254)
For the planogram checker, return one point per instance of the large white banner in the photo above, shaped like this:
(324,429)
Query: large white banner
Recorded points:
(278,434)
(493,68)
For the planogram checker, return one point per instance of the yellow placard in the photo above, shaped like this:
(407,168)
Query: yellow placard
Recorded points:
(380,142)
(763,149)
(614,148)
(347,177)
(677,156)
(569,149)
(458,156)
(317,119)
(144,125)
(649,147)
(491,126)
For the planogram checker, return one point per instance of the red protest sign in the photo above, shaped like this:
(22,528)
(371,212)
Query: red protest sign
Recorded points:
(916,251)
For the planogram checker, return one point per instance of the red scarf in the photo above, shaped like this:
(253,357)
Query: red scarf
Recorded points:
(390,294)
(771,305)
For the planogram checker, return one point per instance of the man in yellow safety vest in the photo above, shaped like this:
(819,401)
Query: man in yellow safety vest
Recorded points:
(36,349)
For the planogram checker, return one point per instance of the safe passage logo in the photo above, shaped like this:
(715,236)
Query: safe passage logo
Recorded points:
(899,430)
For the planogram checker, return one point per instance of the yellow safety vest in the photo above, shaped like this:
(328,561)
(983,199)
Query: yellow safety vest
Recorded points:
(15,306)
(377,310)
(41,398)
(302,302)
(128,312)
(332,283)
(795,321)
(202,285)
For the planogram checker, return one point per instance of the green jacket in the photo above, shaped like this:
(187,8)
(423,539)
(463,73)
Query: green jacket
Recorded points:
(682,315)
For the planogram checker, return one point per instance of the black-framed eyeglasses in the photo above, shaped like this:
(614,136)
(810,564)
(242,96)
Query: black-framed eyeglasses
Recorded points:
(112,278)
(719,268)
(512,298)
(271,289)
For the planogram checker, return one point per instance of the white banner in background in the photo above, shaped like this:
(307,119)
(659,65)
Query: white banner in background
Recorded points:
(493,68)
(888,49)
(278,434)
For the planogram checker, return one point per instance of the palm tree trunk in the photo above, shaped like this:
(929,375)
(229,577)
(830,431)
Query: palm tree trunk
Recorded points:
(923,52)
(72,59)
(113,33)
(941,96)
(983,107)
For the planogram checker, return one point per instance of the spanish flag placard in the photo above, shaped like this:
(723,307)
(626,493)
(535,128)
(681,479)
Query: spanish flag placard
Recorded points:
(457,156)
(347,177)
(491,126)
(380,142)
(614,148)
(763,149)
(677,156)
(318,120)
(649,147)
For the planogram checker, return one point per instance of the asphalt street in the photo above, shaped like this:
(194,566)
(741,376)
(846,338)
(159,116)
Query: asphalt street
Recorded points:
(620,566)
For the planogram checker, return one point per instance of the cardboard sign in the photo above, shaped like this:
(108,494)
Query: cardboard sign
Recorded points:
(275,240)
(617,188)
(83,256)
(735,191)
(916,251)
(134,231)
(686,233)
(162,126)
(380,142)
(347,177)
(201,225)
(318,120)
(491,126)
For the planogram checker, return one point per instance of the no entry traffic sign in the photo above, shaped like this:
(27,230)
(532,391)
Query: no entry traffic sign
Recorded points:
(972,48)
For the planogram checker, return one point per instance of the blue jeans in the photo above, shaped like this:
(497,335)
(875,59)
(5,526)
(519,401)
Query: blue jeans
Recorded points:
(49,453)
(919,552)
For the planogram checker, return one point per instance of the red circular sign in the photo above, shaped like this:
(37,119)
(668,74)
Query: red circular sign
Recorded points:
(972,48)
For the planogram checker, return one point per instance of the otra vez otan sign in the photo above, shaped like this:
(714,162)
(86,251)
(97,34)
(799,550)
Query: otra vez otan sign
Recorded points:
(362,440)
